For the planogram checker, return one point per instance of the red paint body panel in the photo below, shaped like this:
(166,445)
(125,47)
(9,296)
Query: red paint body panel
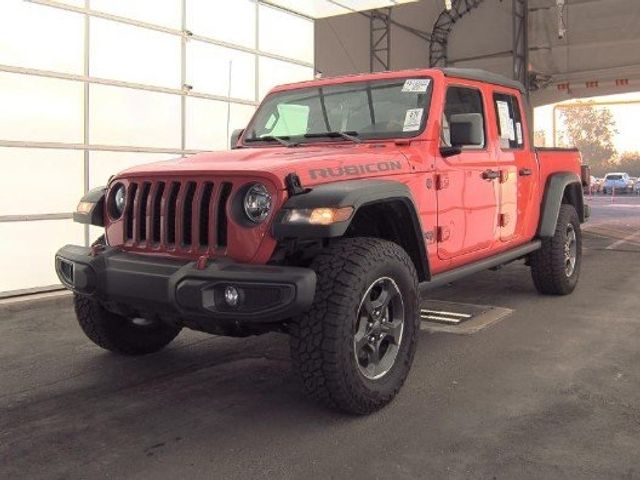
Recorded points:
(473,217)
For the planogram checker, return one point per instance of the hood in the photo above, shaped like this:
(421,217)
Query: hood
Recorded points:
(313,164)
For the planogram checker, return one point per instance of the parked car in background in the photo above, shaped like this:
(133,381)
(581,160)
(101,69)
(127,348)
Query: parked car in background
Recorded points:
(636,187)
(618,181)
(593,185)
(598,185)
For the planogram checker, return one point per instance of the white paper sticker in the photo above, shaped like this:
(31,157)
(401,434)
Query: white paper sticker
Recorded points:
(416,85)
(413,119)
(519,133)
(506,124)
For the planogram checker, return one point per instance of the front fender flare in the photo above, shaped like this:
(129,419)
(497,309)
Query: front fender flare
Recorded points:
(356,194)
(350,193)
(95,216)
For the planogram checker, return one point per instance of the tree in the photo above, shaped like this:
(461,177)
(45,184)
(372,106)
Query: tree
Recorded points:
(590,129)
(628,162)
(540,138)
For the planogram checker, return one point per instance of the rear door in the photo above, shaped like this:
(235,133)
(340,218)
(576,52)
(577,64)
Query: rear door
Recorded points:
(517,165)
(467,194)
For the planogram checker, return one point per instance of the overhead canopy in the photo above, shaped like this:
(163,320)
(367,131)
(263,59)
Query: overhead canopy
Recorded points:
(577,48)
(330,8)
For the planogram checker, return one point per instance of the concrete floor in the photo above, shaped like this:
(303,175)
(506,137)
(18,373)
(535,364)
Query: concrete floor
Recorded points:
(551,392)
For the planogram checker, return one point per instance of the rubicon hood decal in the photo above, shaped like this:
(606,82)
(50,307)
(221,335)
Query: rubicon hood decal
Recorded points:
(354,170)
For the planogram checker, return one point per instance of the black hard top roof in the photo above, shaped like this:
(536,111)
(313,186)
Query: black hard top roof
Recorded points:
(482,76)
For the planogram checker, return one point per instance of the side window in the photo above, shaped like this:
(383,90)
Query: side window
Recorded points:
(463,122)
(509,119)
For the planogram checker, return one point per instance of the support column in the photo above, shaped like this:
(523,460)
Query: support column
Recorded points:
(380,40)
(521,42)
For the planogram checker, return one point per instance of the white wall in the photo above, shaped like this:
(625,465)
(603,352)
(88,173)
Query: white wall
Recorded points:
(122,105)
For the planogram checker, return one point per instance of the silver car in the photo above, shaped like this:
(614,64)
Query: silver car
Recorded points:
(618,181)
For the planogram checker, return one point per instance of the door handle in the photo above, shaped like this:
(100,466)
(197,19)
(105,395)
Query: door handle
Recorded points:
(490,174)
(525,172)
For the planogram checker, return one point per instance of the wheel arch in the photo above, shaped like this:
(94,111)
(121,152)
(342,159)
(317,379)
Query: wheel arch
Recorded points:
(561,187)
(382,209)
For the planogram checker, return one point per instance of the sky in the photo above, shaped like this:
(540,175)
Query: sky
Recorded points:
(627,119)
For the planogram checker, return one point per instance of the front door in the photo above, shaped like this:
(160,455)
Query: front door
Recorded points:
(468,183)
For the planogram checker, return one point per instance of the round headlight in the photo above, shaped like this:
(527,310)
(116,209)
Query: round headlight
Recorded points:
(257,203)
(117,204)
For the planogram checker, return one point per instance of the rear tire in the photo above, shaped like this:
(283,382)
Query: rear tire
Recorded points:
(555,268)
(354,348)
(120,334)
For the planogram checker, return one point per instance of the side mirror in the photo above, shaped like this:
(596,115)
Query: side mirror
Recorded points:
(450,151)
(235,136)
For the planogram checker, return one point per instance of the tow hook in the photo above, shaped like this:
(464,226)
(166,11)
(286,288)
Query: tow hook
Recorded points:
(201,264)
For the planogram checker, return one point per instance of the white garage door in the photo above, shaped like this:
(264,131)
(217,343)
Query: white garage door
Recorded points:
(87,90)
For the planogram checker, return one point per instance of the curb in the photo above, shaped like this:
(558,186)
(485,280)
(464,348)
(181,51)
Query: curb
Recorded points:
(36,301)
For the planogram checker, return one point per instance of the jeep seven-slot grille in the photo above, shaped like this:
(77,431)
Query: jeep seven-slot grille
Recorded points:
(177,214)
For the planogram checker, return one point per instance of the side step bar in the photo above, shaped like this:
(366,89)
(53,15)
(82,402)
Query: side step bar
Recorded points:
(481,265)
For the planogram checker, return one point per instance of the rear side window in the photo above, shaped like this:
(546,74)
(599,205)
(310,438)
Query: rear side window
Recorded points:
(463,122)
(509,119)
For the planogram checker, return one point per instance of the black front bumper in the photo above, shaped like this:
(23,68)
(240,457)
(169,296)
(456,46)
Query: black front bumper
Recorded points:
(164,286)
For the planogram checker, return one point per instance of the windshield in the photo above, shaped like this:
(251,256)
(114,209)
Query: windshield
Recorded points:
(378,109)
(614,177)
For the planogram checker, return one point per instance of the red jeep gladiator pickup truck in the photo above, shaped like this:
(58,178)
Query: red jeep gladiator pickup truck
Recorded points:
(342,200)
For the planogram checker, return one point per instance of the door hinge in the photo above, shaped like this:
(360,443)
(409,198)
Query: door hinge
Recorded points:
(443,234)
(442,181)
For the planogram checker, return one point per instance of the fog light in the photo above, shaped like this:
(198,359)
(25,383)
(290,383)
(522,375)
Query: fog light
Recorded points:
(231,296)
(66,271)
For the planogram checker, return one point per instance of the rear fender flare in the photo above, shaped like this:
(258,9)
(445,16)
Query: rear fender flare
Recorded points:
(554,193)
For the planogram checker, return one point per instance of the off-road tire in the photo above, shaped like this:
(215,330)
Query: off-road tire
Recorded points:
(322,347)
(548,263)
(117,333)
(120,334)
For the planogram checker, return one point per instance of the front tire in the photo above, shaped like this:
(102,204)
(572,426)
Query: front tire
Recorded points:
(354,348)
(555,268)
(119,334)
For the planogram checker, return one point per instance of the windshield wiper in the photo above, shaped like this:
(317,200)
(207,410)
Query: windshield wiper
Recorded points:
(349,135)
(271,138)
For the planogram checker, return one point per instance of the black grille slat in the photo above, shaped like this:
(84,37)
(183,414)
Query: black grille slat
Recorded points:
(171,213)
(221,214)
(156,213)
(187,214)
(205,204)
(142,216)
(131,197)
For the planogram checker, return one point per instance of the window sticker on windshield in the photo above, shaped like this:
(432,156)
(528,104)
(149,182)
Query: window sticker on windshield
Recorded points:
(416,85)
(413,120)
(506,124)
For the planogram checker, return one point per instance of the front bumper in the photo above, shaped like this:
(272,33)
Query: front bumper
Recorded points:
(143,284)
